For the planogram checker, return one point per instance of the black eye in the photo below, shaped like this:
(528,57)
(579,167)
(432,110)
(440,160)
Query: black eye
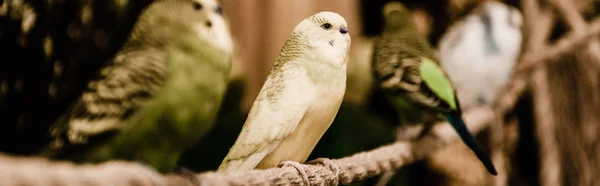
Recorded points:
(326,26)
(197,6)
(219,10)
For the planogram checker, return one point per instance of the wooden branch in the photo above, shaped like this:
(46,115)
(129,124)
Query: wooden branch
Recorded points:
(577,24)
(570,15)
(550,173)
(564,45)
(531,71)
(518,84)
(498,154)
(538,24)
(537,27)
(38,171)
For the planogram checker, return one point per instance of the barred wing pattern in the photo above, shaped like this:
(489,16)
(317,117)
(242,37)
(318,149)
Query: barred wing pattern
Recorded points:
(396,60)
(123,86)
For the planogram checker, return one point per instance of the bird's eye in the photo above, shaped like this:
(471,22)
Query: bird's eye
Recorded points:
(219,10)
(197,6)
(326,26)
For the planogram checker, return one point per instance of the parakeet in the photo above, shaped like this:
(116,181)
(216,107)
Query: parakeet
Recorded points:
(478,53)
(159,94)
(299,99)
(406,70)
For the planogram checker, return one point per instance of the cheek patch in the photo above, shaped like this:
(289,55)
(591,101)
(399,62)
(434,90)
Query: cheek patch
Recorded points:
(331,42)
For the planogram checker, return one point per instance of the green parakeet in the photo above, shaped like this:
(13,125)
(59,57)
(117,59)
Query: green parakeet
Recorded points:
(407,71)
(159,94)
(299,99)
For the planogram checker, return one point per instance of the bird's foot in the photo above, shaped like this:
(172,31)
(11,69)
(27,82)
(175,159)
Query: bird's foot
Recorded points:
(188,174)
(328,163)
(302,169)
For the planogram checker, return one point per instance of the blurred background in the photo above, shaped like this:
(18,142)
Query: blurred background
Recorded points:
(36,87)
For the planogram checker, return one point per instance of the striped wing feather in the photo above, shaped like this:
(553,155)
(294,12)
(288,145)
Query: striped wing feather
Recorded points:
(123,86)
(396,64)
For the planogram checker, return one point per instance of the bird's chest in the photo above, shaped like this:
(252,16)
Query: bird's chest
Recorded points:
(330,86)
(320,114)
(326,99)
(324,104)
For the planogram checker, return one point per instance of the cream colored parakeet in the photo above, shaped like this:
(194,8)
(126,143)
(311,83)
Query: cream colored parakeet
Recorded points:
(299,99)
(479,52)
(406,69)
(159,94)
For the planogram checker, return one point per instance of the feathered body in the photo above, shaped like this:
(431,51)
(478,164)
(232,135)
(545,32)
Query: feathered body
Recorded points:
(479,52)
(409,74)
(145,104)
(299,99)
(396,59)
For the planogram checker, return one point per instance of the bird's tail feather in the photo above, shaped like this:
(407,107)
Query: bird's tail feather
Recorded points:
(458,124)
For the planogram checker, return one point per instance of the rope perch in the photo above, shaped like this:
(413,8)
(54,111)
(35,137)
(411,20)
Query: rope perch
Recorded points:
(39,171)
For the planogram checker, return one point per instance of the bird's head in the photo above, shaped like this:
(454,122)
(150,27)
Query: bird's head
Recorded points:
(325,35)
(497,14)
(502,26)
(396,15)
(163,19)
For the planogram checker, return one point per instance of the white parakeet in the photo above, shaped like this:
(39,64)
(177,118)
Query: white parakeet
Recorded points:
(478,53)
(299,99)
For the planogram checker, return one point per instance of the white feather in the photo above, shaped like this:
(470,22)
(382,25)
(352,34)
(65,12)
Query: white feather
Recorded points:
(478,75)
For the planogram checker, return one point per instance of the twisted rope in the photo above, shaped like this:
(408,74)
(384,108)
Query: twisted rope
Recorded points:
(38,171)
(34,171)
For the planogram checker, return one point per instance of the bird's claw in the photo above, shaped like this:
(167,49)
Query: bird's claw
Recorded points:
(302,169)
(186,173)
(328,163)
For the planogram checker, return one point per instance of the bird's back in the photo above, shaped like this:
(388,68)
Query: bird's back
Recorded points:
(402,51)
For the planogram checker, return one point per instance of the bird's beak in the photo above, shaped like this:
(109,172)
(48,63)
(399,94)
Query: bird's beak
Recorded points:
(344,31)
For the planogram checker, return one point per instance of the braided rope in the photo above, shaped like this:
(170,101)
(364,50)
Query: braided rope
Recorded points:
(36,171)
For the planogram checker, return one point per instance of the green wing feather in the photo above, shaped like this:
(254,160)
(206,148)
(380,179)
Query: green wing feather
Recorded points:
(439,84)
(435,78)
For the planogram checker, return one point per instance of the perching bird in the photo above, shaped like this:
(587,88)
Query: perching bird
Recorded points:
(159,94)
(299,99)
(479,52)
(407,71)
